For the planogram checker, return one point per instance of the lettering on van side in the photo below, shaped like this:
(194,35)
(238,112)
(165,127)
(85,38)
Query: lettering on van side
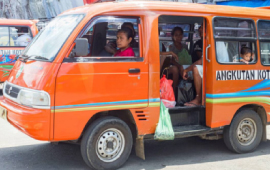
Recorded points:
(10,52)
(242,75)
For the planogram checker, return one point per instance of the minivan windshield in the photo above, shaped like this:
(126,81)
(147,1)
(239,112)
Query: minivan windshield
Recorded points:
(48,42)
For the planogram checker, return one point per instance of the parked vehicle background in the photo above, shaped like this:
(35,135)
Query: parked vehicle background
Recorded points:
(14,37)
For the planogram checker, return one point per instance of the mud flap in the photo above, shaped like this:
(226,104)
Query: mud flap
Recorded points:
(139,148)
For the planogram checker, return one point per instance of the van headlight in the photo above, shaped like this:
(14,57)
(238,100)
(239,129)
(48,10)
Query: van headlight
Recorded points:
(34,98)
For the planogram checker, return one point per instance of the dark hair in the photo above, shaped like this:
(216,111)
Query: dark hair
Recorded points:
(245,50)
(128,33)
(130,26)
(176,29)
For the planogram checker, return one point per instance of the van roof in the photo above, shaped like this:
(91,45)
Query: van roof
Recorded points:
(129,6)
(4,21)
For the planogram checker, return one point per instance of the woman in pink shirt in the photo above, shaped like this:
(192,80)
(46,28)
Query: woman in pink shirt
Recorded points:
(124,38)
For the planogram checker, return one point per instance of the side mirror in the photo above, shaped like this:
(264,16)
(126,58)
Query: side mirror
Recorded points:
(81,47)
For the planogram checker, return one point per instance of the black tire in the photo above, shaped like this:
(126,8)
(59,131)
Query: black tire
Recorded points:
(93,157)
(235,140)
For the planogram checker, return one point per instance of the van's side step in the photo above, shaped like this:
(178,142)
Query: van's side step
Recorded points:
(190,130)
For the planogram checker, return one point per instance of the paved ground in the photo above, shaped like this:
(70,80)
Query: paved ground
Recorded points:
(19,152)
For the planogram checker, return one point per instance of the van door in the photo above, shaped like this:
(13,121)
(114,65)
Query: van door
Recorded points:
(99,82)
(227,77)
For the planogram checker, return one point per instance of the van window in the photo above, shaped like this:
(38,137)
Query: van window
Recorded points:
(264,37)
(165,30)
(46,45)
(15,36)
(235,40)
(102,37)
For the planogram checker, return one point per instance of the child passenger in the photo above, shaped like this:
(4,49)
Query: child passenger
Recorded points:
(124,38)
(246,55)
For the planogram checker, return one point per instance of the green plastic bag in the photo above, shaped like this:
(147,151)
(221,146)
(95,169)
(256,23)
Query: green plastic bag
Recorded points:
(184,58)
(164,130)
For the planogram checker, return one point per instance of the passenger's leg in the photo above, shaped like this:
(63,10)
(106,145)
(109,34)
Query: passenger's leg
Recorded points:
(198,87)
(175,72)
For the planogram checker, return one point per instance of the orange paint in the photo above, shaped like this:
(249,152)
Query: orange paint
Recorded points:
(80,90)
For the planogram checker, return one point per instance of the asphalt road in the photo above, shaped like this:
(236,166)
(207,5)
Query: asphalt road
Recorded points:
(19,152)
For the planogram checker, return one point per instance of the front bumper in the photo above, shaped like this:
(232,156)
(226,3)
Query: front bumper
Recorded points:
(33,122)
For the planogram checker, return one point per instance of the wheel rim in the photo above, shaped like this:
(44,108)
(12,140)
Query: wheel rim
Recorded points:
(246,131)
(110,145)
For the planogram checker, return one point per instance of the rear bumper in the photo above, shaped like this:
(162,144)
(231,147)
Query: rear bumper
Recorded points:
(33,122)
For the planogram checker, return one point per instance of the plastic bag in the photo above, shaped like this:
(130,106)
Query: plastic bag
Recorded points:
(164,130)
(186,92)
(166,90)
(168,104)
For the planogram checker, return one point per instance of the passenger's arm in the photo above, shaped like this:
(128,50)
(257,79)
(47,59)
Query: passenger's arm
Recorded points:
(190,68)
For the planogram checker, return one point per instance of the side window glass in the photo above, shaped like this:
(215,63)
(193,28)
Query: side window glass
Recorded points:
(5,40)
(264,37)
(15,36)
(235,40)
(113,37)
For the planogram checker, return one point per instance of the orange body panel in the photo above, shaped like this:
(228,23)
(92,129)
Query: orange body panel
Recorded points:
(33,122)
(80,90)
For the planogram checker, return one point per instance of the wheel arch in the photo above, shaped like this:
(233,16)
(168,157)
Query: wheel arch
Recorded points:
(260,111)
(124,115)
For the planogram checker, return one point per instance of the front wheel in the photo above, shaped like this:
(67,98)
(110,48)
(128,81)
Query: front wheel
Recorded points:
(106,144)
(245,132)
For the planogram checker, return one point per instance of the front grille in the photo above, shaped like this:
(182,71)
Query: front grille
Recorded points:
(12,91)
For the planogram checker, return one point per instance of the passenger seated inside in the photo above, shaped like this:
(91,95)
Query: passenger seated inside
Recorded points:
(197,49)
(246,55)
(111,46)
(123,41)
(24,39)
(180,55)
(197,70)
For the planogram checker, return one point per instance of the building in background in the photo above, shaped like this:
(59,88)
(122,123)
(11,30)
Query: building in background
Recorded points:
(45,10)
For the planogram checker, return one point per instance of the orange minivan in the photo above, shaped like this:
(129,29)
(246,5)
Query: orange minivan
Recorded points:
(67,86)
(14,37)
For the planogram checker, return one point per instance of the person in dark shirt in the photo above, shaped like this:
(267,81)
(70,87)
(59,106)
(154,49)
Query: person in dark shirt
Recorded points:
(197,50)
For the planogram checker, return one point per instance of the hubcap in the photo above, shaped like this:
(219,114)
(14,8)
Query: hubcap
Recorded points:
(110,145)
(246,131)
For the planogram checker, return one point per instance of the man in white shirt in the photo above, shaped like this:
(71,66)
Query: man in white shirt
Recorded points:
(24,39)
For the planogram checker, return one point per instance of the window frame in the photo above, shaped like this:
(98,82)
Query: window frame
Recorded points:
(9,34)
(262,40)
(91,23)
(239,39)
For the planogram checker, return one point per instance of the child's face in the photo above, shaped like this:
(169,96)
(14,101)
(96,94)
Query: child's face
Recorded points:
(246,57)
(178,36)
(122,40)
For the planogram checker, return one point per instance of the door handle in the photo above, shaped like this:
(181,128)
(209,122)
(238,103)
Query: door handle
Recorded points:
(206,52)
(134,70)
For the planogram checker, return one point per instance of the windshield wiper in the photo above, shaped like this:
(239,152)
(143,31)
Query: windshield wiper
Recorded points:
(41,58)
(24,58)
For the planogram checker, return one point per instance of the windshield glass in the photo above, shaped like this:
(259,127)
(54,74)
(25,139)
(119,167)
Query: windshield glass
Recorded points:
(49,41)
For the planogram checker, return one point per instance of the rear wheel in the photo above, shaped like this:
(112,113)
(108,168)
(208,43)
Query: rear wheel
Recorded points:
(107,144)
(245,132)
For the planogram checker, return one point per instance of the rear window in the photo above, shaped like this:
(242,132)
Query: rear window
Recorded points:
(234,28)
(235,40)
(264,37)
(11,36)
